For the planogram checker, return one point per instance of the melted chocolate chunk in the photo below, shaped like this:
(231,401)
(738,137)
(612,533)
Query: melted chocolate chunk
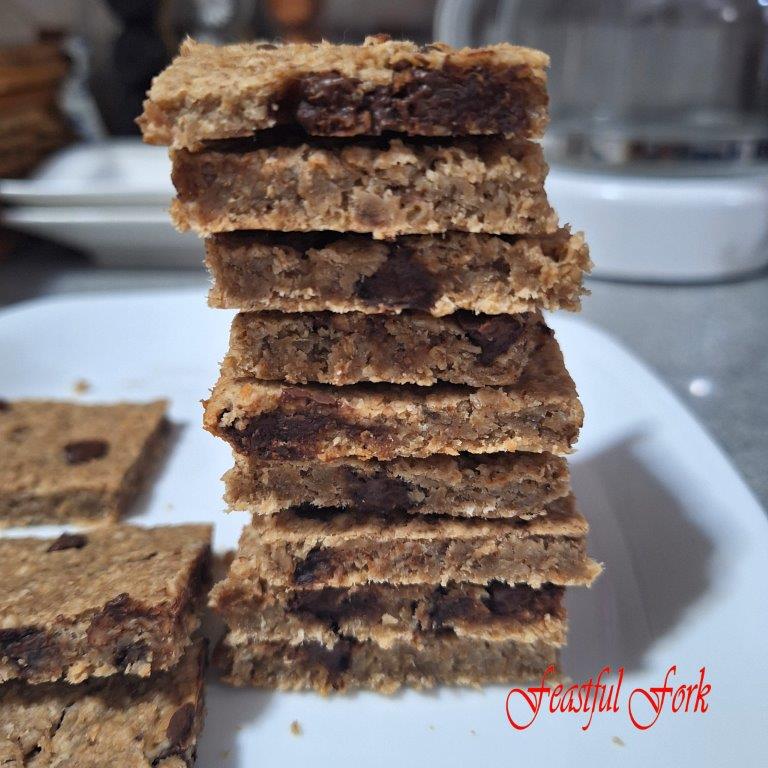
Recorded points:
(295,433)
(82,451)
(68,541)
(4,405)
(451,100)
(445,606)
(335,660)
(377,493)
(130,654)
(522,601)
(317,565)
(112,616)
(334,604)
(400,281)
(181,724)
(309,511)
(494,335)
(26,647)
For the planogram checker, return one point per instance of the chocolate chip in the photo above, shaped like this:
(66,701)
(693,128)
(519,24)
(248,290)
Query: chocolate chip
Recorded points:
(494,335)
(312,512)
(317,565)
(378,493)
(401,281)
(115,613)
(131,653)
(68,541)
(295,435)
(82,451)
(4,405)
(333,605)
(446,605)
(265,47)
(181,724)
(420,101)
(523,602)
(26,647)
(335,660)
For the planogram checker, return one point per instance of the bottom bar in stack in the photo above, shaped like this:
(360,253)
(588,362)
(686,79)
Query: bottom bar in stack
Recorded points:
(363,664)
(334,599)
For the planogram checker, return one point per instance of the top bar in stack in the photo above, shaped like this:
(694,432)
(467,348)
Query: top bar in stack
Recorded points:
(345,90)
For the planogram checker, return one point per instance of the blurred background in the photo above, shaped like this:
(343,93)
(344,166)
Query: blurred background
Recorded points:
(658,149)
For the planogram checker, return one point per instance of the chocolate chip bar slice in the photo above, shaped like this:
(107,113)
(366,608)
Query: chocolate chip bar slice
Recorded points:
(270,420)
(350,664)
(311,547)
(316,271)
(386,186)
(116,599)
(337,349)
(121,721)
(213,92)
(62,462)
(388,614)
(467,485)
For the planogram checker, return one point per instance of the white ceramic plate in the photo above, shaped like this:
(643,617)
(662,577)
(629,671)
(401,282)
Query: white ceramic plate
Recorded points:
(111,172)
(129,236)
(683,540)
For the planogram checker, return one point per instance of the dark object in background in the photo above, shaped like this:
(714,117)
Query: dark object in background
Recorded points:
(31,125)
(138,54)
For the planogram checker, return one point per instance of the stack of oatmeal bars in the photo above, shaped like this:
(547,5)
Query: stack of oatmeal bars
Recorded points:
(398,408)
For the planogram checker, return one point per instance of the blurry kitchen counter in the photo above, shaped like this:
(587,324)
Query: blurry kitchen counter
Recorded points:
(708,342)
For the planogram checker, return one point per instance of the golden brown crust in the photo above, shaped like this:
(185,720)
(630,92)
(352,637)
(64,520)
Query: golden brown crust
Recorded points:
(112,599)
(387,187)
(63,461)
(541,412)
(310,547)
(312,272)
(213,92)
(341,349)
(388,614)
(468,485)
(350,665)
(122,720)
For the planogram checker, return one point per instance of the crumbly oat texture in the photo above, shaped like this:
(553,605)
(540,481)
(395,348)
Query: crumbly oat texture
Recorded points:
(269,420)
(340,349)
(388,614)
(316,271)
(385,186)
(468,485)
(213,92)
(311,547)
(115,599)
(121,721)
(351,664)
(62,462)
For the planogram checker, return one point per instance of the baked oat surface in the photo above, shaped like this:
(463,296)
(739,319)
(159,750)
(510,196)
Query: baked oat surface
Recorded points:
(211,92)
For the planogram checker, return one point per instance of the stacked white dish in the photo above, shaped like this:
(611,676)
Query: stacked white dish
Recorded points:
(109,199)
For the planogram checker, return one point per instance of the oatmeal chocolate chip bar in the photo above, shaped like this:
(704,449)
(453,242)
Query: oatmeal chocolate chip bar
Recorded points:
(213,92)
(316,271)
(121,721)
(464,348)
(270,420)
(384,186)
(63,461)
(115,599)
(387,614)
(350,664)
(468,485)
(309,547)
